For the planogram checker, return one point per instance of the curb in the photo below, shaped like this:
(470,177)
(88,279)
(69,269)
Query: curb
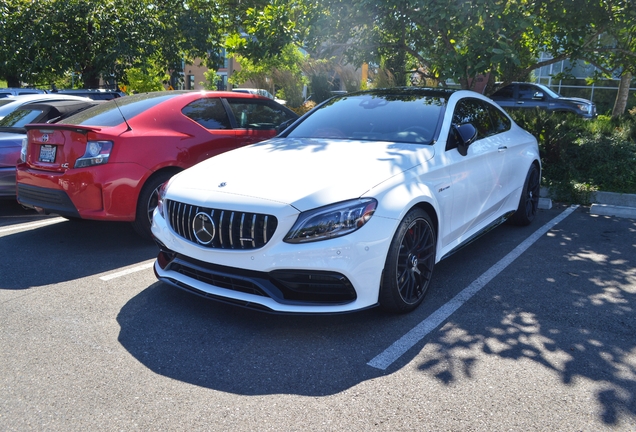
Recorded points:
(603,203)
(613,204)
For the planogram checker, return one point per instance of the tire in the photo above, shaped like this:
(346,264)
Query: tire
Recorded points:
(409,264)
(147,203)
(529,201)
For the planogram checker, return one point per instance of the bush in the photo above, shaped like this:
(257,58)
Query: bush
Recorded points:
(581,156)
(304,108)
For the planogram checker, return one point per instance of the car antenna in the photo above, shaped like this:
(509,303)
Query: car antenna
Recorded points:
(122,115)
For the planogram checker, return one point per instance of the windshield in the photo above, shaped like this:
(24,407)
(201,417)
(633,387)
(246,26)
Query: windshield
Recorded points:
(7,106)
(110,113)
(400,117)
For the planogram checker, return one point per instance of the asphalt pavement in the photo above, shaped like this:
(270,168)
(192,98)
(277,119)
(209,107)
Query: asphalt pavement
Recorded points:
(525,329)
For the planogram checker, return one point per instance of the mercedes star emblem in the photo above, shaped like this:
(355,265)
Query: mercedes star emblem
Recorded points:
(203,228)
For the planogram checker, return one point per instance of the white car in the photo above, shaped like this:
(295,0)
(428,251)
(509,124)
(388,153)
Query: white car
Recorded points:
(351,206)
(10,103)
(260,92)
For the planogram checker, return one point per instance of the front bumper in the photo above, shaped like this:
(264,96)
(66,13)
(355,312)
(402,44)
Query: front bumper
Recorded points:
(332,276)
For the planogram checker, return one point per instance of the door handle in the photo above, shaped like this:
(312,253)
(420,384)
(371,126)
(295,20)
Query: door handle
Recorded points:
(502,148)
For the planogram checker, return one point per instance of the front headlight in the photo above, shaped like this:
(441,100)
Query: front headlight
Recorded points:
(331,221)
(161,196)
(584,107)
(97,153)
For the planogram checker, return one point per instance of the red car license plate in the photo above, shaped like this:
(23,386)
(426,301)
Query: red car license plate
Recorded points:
(47,153)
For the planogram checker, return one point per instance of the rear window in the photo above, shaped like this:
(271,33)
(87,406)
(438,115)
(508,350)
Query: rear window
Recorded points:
(110,113)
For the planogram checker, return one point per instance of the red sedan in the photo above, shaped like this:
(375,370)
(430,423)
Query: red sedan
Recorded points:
(108,162)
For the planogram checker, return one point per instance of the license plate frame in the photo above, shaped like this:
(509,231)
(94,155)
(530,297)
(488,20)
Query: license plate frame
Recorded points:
(47,153)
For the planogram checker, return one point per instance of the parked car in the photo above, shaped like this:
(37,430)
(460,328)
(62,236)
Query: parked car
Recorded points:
(11,103)
(106,163)
(13,91)
(12,133)
(97,94)
(521,95)
(260,92)
(351,206)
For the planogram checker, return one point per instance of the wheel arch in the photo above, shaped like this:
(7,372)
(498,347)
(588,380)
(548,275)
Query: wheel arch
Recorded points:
(430,210)
(171,170)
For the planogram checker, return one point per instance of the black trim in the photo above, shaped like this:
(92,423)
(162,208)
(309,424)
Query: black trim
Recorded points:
(49,200)
(291,287)
(475,236)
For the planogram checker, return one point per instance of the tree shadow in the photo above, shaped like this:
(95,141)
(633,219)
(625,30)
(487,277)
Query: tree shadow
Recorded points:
(565,306)
(574,318)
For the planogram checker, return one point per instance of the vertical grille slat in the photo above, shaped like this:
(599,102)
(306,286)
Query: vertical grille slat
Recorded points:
(221,236)
(242,226)
(229,229)
(253,231)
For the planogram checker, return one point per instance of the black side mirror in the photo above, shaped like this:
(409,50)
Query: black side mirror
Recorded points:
(466,134)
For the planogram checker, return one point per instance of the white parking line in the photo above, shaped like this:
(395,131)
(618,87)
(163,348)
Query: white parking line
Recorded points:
(406,342)
(135,269)
(31,225)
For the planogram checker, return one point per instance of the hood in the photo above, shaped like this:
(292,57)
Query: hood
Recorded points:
(576,100)
(303,173)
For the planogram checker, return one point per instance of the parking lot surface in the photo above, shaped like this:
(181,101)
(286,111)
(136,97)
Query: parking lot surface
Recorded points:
(525,329)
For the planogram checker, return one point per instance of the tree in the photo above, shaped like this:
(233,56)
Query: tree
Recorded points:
(103,38)
(615,53)
(459,40)
(20,32)
(280,71)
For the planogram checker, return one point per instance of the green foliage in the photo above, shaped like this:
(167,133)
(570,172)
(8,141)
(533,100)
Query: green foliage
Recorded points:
(211,80)
(41,41)
(320,88)
(282,71)
(581,156)
(140,80)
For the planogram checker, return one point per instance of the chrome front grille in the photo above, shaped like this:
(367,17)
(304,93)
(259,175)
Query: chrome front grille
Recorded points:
(220,229)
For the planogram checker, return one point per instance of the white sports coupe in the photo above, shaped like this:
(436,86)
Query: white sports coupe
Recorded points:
(349,207)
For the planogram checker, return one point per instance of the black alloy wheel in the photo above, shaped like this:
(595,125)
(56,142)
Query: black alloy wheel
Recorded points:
(409,264)
(529,201)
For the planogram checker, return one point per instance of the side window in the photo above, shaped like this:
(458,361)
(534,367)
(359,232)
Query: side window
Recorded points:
(505,93)
(475,112)
(258,113)
(526,92)
(500,122)
(208,112)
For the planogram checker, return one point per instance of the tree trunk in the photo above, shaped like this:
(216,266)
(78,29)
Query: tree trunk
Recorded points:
(13,81)
(623,93)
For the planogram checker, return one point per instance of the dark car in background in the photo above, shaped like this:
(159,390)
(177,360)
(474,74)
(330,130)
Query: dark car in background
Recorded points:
(13,91)
(522,95)
(108,162)
(12,132)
